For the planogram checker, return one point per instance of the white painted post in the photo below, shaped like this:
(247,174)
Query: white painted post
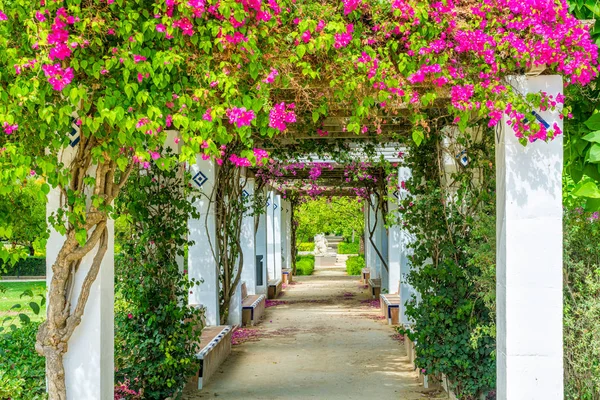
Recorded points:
(288,234)
(201,260)
(382,245)
(261,250)
(372,260)
(529,258)
(247,239)
(277,234)
(271,236)
(395,244)
(89,361)
(406,290)
(284,238)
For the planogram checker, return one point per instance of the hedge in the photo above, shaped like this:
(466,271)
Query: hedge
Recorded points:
(348,248)
(305,265)
(354,265)
(306,246)
(30,266)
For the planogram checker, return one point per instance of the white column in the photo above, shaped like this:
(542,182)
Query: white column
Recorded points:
(270,236)
(284,238)
(382,246)
(248,240)
(395,245)
(288,235)
(277,233)
(261,251)
(89,361)
(406,289)
(529,258)
(201,261)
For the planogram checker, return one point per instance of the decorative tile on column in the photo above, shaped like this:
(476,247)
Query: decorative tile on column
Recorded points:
(200,179)
(245,194)
(74,134)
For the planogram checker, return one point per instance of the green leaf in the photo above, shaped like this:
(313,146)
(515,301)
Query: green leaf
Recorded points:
(594,155)
(16,306)
(587,189)
(592,137)
(592,205)
(418,137)
(300,50)
(27,293)
(24,318)
(593,122)
(81,236)
(35,307)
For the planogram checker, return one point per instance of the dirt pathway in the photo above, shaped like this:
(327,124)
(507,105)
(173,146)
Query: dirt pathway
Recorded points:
(324,342)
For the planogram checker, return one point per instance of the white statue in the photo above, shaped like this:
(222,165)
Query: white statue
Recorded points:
(320,245)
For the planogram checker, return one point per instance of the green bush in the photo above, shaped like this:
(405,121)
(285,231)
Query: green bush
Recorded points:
(30,266)
(156,332)
(582,305)
(348,248)
(354,265)
(305,265)
(22,369)
(307,246)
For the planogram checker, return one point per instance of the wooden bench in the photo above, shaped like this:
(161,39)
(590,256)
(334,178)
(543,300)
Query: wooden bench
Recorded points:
(253,306)
(287,276)
(274,289)
(215,346)
(390,306)
(375,287)
(366,275)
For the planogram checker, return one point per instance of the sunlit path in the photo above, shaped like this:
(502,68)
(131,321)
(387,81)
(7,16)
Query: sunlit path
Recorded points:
(322,344)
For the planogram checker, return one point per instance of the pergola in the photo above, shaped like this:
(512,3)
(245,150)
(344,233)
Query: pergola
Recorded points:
(529,259)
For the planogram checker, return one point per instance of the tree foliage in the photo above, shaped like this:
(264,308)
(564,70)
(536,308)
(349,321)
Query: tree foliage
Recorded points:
(337,216)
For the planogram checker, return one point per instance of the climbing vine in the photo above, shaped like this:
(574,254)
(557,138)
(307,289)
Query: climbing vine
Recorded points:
(447,200)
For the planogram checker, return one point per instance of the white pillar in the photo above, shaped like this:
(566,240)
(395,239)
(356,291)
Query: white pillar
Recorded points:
(271,236)
(406,289)
(89,361)
(261,251)
(529,258)
(201,261)
(277,233)
(288,235)
(395,245)
(248,240)
(382,245)
(284,243)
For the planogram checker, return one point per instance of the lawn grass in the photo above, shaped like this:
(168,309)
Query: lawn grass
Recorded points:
(12,295)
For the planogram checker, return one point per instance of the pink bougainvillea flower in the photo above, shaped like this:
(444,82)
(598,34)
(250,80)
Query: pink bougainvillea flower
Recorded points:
(306,36)
(138,58)
(60,51)
(130,315)
(185,25)
(140,77)
(8,128)
(207,116)
(58,77)
(155,155)
(260,154)
(40,16)
(160,28)
(350,5)
(3,16)
(281,115)
(239,117)
(321,25)
(343,39)
(142,122)
(169,121)
(239,161)
(271,77)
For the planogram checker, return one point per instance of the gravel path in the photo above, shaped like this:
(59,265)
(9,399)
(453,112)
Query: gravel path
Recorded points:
(324,342)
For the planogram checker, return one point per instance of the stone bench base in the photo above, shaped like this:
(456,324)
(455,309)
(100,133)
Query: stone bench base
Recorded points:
(390,308)
(375,287)
(253,307)
(274,289)
(287,276)
(215,346)
(365,275)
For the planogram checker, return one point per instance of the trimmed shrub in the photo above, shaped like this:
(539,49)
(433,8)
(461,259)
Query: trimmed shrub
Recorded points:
(354,265)
(22,369)
(348,248)
(307,246)
(30,266)
(305,265)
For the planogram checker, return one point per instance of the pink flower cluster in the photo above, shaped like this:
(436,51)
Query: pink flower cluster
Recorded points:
(58,77)
(281,115)
(350,5)
(239,161)
(3,16)
(343,39)
(239,117)
(8,128)
(260,154)
(271,77)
